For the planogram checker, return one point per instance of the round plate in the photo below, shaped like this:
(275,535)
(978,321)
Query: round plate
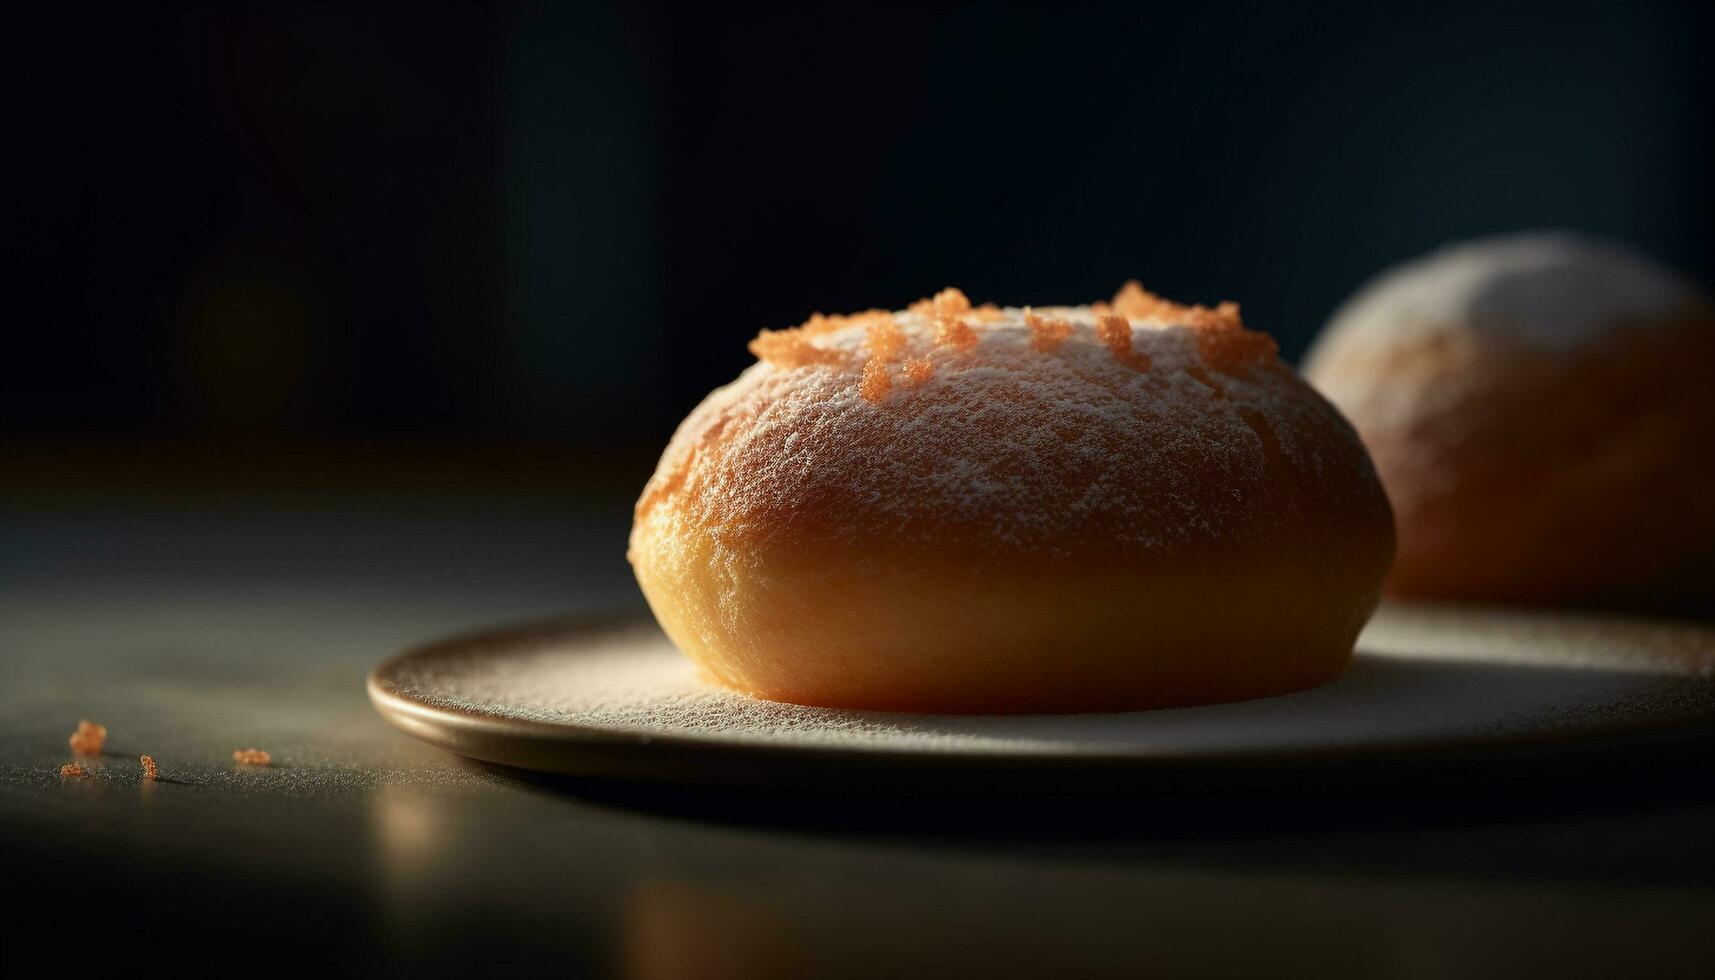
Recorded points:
(611,697)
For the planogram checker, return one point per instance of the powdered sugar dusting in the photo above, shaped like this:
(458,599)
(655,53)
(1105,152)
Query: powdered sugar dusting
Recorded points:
(1422,675)
(626,679)
(1546,289)
(1012,445)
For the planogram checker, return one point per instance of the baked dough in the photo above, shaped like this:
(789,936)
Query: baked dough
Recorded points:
(958,509)
(1541,412)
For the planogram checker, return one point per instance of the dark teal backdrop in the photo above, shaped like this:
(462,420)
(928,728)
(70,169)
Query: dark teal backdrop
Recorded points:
(553,221)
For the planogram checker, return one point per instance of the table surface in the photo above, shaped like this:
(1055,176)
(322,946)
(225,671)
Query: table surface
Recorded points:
(191,636)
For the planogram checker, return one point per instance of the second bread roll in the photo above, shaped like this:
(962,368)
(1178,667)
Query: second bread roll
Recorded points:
(1540,409)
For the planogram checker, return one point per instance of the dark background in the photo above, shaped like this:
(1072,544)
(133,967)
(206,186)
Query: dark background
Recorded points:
(479,225)
(329,330)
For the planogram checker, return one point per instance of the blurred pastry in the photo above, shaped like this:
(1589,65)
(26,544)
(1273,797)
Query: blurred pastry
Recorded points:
(1541,411)
(960,509)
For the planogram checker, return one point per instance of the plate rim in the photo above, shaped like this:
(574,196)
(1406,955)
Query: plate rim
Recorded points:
(603,752)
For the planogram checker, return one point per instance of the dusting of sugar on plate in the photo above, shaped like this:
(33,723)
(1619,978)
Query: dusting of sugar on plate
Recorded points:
(1423,676)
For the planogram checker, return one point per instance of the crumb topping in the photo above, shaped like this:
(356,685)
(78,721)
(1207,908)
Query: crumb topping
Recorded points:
(1115,333)
(1135,301)
(954,333)
(1221,335)
(876,383)
(948,302)
(951,300)
(903,350)
(792,346)
(885,340)
(1227,346)
(89,738)
(1122,420)
(1046,332)
(918,371)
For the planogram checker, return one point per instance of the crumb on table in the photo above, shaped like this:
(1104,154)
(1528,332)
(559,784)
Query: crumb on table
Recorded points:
(150,770)
(251,757)
(72,770)
(89,738)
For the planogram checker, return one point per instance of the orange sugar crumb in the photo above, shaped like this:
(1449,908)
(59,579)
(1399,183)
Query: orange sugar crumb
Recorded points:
(951,301)
(150,770)
(1135,301)
(1232,349)
(861,319)
(819,324)
(791,348)
(987,313)
(884,338)
(72,770)
(918,370)
(1115,334)
(1225,316)
(951,331)
(88,739)
(1221,335)
(251,757)
(1046,332)
(875,384)
(1225,343)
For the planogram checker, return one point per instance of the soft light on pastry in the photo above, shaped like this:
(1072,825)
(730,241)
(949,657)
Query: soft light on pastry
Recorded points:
(952,508)
(1541,412)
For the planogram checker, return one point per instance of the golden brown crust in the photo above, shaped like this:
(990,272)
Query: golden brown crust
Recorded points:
(914,634)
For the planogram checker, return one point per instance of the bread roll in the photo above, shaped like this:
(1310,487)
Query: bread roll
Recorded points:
(957,509)
(1541,412)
